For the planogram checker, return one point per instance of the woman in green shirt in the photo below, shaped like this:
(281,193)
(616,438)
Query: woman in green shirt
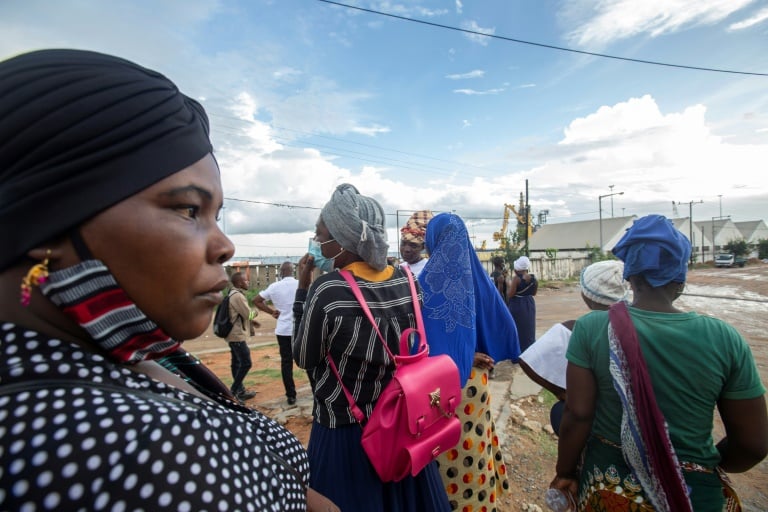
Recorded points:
(692,363)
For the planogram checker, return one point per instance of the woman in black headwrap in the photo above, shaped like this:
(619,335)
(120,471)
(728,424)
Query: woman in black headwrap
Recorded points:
(109,196)
(329,322)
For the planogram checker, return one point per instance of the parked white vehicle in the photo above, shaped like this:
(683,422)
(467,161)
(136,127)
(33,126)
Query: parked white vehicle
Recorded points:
(729,260)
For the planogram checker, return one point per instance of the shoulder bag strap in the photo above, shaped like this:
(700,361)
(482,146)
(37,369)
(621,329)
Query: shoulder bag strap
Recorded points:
(231,293)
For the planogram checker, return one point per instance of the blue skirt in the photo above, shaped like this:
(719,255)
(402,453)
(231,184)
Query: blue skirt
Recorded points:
(340,470)
(523,309)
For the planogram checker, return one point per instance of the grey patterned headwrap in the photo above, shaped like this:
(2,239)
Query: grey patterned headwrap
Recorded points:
(356,222)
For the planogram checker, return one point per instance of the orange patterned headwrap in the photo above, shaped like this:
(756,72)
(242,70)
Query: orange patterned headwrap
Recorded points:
(416,228)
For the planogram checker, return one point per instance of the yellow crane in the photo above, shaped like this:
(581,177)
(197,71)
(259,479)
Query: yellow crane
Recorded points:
(501,235)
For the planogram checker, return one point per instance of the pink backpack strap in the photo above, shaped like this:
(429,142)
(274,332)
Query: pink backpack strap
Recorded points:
(356,411)
(347,275)
(404,349)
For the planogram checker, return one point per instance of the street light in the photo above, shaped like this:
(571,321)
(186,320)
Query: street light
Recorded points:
(600,207)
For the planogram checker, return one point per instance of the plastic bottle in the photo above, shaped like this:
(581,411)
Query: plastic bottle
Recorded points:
(557,501)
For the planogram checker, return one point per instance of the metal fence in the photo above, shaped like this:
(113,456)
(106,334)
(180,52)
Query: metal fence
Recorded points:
(261,275)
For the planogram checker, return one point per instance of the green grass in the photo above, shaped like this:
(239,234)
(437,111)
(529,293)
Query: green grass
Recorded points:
(549,398)
(547,444)
(259,376)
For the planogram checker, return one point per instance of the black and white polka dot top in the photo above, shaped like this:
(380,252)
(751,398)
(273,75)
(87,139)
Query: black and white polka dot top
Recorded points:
(80,433)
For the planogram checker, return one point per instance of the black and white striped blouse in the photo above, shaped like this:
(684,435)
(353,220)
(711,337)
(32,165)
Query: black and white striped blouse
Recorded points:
(332,320)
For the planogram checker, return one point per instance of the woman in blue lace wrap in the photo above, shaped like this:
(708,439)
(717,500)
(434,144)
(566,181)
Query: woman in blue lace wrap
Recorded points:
(465,317)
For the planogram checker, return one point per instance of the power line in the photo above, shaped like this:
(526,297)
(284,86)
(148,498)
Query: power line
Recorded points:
(295,206)
(281,205)
(541,45)
(376,159)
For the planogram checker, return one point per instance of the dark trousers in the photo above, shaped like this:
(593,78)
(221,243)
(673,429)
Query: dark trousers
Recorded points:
(241,363)
(286,365)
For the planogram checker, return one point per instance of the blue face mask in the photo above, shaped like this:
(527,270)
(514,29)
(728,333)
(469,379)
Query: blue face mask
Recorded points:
(321,262)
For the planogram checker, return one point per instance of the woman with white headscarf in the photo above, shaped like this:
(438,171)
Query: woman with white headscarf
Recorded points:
(330,323)
(544,362)
(521,288)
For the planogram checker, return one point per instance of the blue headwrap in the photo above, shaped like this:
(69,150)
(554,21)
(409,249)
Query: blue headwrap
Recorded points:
(654,248)
(463,311)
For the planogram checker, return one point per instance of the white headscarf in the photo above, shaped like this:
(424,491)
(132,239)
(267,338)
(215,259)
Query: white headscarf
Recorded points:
(603,282)
(522,263)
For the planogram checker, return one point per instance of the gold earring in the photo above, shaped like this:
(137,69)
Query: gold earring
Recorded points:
(37,275)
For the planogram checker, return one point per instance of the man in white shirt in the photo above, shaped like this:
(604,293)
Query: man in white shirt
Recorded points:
(412,241)
(282,294)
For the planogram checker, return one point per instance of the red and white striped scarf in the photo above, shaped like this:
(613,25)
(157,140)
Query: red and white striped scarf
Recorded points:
(89,294)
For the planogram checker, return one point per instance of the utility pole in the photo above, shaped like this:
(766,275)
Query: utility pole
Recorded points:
(600,210)
(527,219)
(690,220)
(611,187)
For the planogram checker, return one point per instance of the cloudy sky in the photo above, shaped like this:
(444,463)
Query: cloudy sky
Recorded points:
(451,105)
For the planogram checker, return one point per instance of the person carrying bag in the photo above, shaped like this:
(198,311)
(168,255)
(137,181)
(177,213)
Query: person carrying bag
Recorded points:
(414,419)
(350,236)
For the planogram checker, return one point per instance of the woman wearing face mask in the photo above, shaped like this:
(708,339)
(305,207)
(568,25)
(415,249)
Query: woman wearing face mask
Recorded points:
(109,196)
(329,322)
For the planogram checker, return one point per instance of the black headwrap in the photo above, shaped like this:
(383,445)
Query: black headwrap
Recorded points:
(81,131)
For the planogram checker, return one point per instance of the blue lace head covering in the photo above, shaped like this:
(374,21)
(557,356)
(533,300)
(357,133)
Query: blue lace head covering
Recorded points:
(654,248)
(463,311)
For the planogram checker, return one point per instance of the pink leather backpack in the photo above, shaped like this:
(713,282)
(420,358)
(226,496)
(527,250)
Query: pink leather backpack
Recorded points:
(414,419)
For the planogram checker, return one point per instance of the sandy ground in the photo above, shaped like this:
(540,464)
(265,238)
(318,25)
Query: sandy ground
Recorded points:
(738,296)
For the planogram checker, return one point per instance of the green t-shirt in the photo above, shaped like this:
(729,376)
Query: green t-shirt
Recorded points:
(693,361)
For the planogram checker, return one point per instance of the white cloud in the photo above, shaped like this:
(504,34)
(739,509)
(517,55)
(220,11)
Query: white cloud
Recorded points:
(407,10)
(263,101)
(370,130)
(473,92)
(474,27)
(611,20)
(286,73)
(757,18)
(634,145)
(459,7)
(475,73)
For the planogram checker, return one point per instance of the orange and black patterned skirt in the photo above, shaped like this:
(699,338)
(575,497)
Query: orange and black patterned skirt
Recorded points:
(473,472)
